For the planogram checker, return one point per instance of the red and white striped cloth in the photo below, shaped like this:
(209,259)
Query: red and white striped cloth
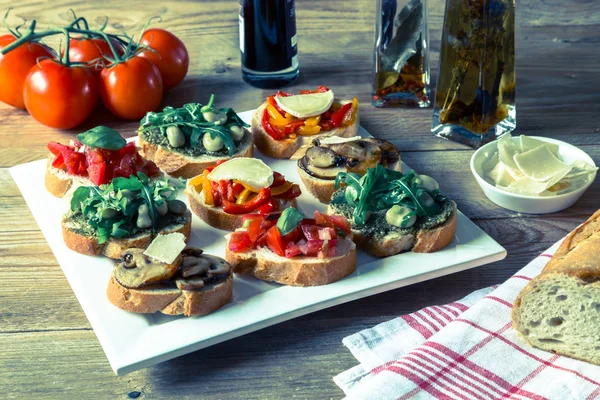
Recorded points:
(464,350)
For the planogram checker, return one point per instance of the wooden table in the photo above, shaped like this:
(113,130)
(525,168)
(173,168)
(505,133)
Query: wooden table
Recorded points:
(47,347)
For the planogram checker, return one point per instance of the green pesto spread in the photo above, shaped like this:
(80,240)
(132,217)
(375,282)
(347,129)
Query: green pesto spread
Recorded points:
(377,225)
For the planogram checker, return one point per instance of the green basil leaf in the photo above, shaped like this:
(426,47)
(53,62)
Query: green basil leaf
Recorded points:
(289,220)
(81,194)
(102,137)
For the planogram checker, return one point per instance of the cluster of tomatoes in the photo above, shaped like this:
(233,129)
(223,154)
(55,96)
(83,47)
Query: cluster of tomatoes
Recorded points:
(63,94)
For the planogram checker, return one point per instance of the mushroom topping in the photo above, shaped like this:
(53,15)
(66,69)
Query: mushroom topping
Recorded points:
(194,266)
(321,157)
(322,173)
(194,283)
(198,269)
(389,152)
(218,266)
(136,269)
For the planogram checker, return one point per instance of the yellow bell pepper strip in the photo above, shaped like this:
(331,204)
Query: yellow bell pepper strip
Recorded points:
(207,189)
(277,119)
(250,188)
(197,182)
(281,188)
(243,196)
(308,130)
(313,121)
(350,117)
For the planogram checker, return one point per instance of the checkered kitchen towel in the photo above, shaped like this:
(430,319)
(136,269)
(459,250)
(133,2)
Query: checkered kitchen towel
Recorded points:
(464,350)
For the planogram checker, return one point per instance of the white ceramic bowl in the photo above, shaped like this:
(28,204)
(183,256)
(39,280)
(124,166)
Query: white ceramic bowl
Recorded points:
(530,204)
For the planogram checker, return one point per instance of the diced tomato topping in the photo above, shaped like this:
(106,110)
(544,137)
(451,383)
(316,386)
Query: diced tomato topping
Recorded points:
(126,167)
(58,162)
(292,250)
(240,241)
(129,148)
(313,247)
(311,232)
(252,217)
(97,173)
(274,241)
(323,219)
(292,236)
(254,229)
(270,220)
(341,223)
(326,233)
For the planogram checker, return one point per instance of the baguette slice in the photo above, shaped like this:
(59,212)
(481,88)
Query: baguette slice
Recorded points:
(423,241)
(168,299)
(285,148)
(181,166)
(59,183)
(113,247)
(559,310)
(215,216)
(296,271)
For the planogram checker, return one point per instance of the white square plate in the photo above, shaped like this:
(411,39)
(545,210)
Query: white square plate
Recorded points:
(134,341)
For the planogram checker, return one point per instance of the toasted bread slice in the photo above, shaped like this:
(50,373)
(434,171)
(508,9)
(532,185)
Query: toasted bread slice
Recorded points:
(296,271)
(113,247)
(215,216)
(59,183)
(168,299)
(421,241)
(181,166)
(285,148)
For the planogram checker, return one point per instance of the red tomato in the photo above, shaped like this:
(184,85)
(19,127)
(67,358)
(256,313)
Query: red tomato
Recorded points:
(169,55)
(131,88)
(97,173)
(14,68)
(59,96)
(274,241)
(86,50)
(240,241)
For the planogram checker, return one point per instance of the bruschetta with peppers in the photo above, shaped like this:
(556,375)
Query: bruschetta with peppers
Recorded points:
(288,248)
(221,195)
(95,158)
(286,122)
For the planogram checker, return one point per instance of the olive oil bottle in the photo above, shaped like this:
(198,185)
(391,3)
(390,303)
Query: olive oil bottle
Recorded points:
(475,96)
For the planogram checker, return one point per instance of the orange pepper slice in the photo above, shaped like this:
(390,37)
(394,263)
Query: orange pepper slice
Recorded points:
(308,130)
(207,189)
(281,188)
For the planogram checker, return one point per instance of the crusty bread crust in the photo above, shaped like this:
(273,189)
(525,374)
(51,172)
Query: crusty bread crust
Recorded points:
(424,241)
(181,166)
(296,271)
(574,265)
(169,299)
(322,189)
(59,183)
(215,216)
(113,247)
(285,148)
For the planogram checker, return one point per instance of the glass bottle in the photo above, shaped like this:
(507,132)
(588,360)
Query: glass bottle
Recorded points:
(401,66)
(475,95)
(268,42)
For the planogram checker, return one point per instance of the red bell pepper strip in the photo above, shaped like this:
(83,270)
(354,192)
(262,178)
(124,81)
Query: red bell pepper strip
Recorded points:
(271,100)
(278,179)
(272,131)
(261,198)
(338,116)
(292,126)
(269,207)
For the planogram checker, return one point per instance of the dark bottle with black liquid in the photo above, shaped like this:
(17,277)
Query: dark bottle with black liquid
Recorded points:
(268,42)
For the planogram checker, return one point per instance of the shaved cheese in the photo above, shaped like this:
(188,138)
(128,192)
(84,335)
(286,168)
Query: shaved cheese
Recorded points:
(500,175)
(540,164)
(533,167)
(507,150)
(166,248)
(338,139)
(529,143)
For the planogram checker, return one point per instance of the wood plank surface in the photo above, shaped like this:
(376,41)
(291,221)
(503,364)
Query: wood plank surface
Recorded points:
(47,348)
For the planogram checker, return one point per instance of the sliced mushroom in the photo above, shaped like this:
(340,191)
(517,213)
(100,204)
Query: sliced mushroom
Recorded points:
(321,157)
(322,173)
(192,266)
(137,269)
(194,283)
(360,155)
(218,266)
(389,152)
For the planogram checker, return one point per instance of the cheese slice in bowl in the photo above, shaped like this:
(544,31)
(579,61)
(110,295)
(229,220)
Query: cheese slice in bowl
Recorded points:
(306,105)
(540,164)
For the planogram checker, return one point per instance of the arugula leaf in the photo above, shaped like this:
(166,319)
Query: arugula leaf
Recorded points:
(288,221)
(102,137)
(131,183)
(79,196)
